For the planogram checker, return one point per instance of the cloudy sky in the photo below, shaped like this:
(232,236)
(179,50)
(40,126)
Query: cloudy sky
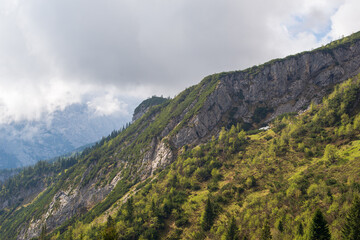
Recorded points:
(107,53)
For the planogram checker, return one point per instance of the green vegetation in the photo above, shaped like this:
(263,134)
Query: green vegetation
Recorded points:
(208,216)
(42,173)
(319,229)
(344,40)
(260,113)
(351,229)
(266,233)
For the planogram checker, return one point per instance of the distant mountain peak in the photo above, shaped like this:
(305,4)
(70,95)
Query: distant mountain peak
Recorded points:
(145,105)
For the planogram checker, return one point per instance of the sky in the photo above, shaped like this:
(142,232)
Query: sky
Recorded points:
(110,53)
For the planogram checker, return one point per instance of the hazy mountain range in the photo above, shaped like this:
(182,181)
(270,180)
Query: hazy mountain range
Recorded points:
(24,143)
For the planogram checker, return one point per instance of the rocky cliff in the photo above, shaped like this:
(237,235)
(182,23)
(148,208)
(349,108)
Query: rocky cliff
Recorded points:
(261,93)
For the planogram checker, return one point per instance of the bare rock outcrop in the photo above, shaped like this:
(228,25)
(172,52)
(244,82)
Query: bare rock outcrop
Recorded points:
(262,93)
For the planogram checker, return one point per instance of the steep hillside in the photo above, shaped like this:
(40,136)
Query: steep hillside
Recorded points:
(173,156)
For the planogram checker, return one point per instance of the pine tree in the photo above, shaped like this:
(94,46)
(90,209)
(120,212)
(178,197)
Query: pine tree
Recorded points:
(300,229)
(281,226)
(69,233)
(232,231)
(129,207)
(319,229)
(208,216)
(357,123)
(109,232)
(154,208)
(351,229)
(266,233)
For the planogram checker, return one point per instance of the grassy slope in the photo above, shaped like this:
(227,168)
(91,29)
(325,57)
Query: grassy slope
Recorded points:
(282,175)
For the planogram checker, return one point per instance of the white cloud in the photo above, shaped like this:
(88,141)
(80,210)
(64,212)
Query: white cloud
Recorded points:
(346,20)
(22,100)
(107,105)
(55,53)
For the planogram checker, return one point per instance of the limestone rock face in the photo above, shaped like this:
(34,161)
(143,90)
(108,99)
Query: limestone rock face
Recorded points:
(66,204)
(157,157)
(140,113)
(287,85)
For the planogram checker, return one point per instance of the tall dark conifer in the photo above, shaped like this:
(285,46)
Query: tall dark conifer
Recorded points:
(109,233)
(208,216)
(351,229)
(319,229)
(300,229)
(232,230)
(266,233)
(129,210)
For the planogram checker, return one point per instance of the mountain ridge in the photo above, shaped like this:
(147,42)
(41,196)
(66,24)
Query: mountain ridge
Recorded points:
(248,98)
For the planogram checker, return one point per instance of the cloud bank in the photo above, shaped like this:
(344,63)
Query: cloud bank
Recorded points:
(56,53)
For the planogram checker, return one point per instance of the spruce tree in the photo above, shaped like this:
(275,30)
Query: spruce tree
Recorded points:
(129,210)
(351,229)
(69,233)
(208,216)
(281,226)
(319,229)
(266,233)
(109,233)
(300,229)
(232,231)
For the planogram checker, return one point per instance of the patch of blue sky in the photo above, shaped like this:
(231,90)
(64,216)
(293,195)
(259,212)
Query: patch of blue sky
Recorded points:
(320,35)
(301,25)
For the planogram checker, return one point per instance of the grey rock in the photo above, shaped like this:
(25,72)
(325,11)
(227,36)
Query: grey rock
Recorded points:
(287,85)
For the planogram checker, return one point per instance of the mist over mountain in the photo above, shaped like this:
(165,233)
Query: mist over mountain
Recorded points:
(26,142)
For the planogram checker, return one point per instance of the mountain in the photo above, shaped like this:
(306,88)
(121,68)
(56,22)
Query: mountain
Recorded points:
(26,142)
(196,167)
(146,105)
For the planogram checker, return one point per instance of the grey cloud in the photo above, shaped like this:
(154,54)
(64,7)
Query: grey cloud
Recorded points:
(161,46)
(149,42)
